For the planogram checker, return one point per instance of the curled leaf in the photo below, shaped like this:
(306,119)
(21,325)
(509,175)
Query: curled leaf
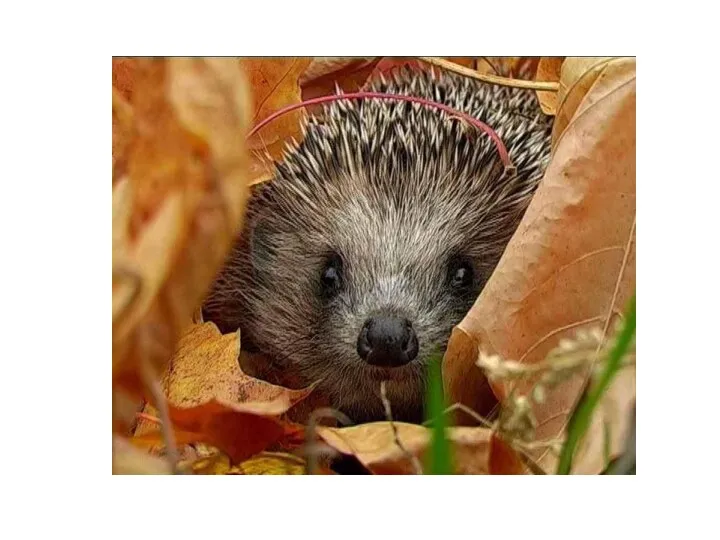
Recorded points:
(549,283)
(578,75)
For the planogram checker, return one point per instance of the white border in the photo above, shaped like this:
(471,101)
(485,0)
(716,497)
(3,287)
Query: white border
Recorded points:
(55,222)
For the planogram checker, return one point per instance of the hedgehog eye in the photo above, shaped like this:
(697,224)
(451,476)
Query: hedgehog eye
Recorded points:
(461,274)
(331,276)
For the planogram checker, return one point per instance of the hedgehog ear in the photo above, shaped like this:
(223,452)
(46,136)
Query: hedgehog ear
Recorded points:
(262,248)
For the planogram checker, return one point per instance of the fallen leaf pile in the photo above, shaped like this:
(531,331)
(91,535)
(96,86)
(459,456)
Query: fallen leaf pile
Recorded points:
(183,167)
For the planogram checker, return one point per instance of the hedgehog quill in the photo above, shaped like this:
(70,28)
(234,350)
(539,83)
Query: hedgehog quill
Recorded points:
(376,235)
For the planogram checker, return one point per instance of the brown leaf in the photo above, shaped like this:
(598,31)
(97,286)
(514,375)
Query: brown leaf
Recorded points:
(520,67)
(550,282)
(205,366)
(577,76)
(374,445)
(275,84)
(548,69)
(214,402)
(503,459)
(177,211)
(237,429)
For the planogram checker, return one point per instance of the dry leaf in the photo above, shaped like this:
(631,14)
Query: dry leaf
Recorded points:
(549,283)
(466,61)
(205,367)
(176,213)
(503,459)
(214,402)
(275,84)
(276,463)
(273,463)
(548,70)
(519,67)
(577,76)
(374,445)
(239,431)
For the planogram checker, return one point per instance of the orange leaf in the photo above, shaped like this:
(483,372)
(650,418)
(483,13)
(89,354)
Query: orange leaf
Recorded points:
(205,367)
(550,283)
(274,83)
(519,67)
(503,459)
(577,77)
(214,402)
(123,76)
(375,446)
(548,69)
(237,430)
(177,210)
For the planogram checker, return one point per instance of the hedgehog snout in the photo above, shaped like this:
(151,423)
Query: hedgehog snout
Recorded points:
(387,341)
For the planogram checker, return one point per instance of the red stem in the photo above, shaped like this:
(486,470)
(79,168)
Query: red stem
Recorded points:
(502,151)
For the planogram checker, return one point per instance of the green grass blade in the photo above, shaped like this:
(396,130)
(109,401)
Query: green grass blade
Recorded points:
(439,457)
(582,415)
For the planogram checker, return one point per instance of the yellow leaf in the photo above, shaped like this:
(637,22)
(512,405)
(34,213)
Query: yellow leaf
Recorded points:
(548,69)
(275,463)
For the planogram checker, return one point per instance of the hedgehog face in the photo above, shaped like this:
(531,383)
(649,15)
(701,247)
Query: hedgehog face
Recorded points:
(364,292)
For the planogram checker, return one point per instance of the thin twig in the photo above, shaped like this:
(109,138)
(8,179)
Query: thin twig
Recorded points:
(547,86)
(158,396)
(388,413)
(464,408)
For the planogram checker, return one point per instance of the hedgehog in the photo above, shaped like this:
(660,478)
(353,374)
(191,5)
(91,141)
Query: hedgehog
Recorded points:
(377,233)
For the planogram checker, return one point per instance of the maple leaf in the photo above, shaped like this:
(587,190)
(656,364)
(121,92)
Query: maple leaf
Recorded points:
(212,401)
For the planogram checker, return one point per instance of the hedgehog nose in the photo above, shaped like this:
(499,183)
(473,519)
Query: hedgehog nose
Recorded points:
(387,342)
